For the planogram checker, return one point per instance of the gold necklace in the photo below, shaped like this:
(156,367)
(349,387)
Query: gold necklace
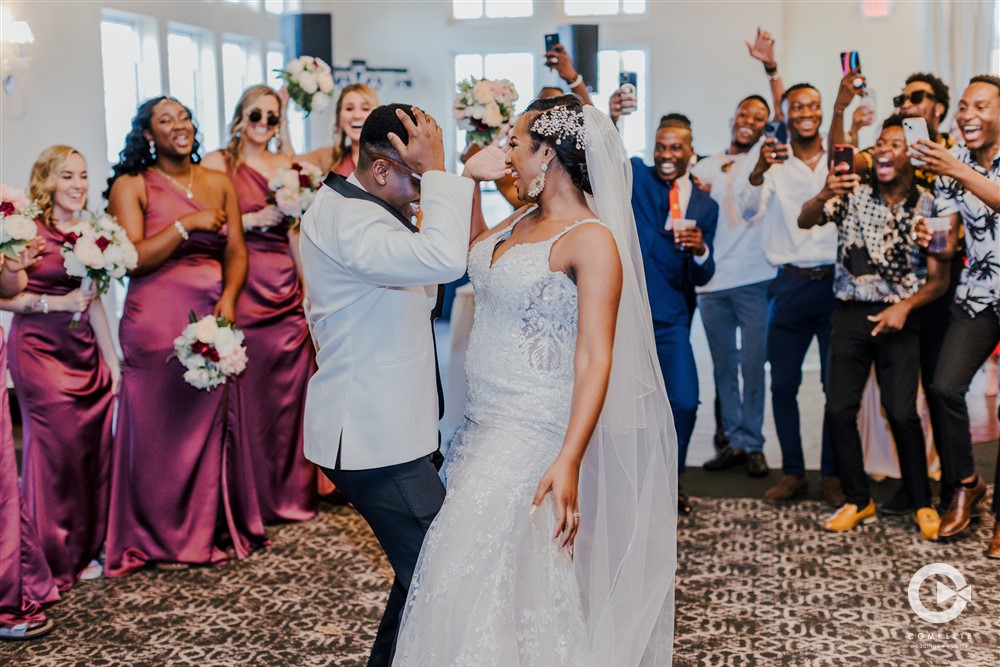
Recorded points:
(187,189)
(813,159)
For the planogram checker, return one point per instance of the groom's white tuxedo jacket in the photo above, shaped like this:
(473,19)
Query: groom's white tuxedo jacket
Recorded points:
(370,286)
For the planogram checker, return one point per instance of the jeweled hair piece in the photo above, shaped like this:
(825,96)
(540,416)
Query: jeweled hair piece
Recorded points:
(561,123)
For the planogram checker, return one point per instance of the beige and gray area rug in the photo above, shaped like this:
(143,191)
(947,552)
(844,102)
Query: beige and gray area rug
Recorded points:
(757,585)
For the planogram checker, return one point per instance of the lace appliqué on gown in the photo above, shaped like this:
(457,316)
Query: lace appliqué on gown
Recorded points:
(490,587)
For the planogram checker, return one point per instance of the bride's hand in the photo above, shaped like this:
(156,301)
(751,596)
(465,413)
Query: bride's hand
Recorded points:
(490,163)
(563,480)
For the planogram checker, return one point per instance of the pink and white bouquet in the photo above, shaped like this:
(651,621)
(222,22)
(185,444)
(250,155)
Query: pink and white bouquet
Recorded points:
(310,83)
(17,220)
(98,250)
(295,188)
(212,351)
(482,106)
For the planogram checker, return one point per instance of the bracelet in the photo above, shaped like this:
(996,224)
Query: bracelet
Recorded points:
(180,230)
(576,82)
(43,302)
(771,70)
(773,76)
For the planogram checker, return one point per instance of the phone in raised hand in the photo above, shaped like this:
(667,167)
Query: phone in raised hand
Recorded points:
(914,129)
(843,154)
(627,82)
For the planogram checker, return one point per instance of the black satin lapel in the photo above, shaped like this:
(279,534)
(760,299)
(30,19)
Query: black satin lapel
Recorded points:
(340,185)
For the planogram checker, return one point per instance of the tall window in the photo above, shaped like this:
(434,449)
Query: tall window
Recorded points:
(609,64)
(131,74)
(603,7)
(241,68)
(191,66)
(491,9)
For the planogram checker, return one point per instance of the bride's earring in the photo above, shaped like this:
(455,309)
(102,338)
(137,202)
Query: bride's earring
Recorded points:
(538,183)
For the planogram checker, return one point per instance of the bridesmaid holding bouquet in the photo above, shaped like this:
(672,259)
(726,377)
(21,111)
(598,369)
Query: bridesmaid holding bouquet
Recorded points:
(270,314)
(182,487)
(66,378)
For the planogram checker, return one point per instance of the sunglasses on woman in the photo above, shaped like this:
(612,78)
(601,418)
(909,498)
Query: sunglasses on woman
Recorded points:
(917,96)
(256,115)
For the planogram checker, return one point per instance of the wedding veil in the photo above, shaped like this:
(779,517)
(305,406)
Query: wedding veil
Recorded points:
(626,550)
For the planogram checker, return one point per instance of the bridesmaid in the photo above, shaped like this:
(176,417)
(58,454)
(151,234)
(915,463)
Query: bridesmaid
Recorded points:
(356,101)
(271,316)
(26,583)
(66,379)
(178,468)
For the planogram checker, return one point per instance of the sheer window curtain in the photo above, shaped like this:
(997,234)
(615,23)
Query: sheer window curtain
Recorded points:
(961,42)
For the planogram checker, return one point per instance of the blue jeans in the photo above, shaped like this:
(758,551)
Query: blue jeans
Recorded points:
(800,309)
(722,312)
(680,376)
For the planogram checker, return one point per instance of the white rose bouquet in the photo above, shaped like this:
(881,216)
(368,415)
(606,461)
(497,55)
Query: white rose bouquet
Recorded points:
(212,351)
(99,251)
(295,188)
(310,83)
(17,220)
(482,106)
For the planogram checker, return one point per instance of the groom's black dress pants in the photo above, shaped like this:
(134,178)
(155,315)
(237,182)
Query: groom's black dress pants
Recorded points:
(399,502)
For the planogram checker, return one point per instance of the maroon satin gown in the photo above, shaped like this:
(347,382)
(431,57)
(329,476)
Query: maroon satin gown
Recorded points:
(182,486)
(26,583)
(64,389)
(281,360)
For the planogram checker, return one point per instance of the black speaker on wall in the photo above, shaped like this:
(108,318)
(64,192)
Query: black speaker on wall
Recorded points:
(580,41)
(308,35)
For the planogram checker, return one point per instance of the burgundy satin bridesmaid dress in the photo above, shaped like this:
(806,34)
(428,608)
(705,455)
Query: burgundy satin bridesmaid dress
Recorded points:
(182,486)
(26,583)
(281,361)
(64,389)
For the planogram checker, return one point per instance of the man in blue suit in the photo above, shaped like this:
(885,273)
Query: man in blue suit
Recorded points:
(675,259)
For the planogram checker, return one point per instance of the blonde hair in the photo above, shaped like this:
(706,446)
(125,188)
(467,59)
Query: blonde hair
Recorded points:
(341,149)
(43,178)
(249,96)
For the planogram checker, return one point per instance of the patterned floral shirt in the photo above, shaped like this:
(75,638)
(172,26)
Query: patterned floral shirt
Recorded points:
(878,259)
(979,287)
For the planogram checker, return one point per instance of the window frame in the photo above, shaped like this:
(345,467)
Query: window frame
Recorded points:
(484,17)
(620,15)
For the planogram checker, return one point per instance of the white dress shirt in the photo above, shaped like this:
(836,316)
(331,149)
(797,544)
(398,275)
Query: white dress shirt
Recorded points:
(777,203)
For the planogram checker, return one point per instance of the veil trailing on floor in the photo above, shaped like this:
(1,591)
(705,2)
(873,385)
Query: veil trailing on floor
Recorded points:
(626,550)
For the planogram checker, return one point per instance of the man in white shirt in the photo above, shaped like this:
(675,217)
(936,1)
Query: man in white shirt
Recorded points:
(782,180)
(736,296)
(372,406)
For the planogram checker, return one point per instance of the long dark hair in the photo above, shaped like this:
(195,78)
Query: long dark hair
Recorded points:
(573,159)
(137,156)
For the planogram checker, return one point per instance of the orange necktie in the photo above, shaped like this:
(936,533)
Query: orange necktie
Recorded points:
(675,204)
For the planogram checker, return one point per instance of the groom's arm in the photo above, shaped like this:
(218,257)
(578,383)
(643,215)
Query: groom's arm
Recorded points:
(390,255)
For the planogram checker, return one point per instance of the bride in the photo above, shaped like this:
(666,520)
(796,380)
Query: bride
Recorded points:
(556,541)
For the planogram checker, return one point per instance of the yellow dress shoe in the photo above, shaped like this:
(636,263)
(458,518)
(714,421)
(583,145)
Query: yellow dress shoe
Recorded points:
(929,521)
(848,516)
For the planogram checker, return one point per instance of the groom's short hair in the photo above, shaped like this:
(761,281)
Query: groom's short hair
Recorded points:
(380,122)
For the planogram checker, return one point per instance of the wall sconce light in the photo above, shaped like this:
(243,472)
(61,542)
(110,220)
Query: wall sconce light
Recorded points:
(12,35)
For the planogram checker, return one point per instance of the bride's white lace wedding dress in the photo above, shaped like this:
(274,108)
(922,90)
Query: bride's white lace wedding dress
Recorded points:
(490,586)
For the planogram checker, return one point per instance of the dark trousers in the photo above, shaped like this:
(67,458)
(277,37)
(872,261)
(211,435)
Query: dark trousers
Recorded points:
(799,309)
(968,343)
(897,368)
(399,502)
(680,376)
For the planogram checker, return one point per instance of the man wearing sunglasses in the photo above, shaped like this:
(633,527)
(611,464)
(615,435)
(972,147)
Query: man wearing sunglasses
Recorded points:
(373,405)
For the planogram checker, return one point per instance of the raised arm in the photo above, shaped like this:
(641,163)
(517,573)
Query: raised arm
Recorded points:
(837,184)
(851,86)
(943,162)
(560,61)
(763,50)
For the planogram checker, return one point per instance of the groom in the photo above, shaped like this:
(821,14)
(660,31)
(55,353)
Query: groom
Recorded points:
(373,405)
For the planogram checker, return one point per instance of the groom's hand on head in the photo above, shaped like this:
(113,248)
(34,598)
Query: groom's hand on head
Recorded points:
(424,150)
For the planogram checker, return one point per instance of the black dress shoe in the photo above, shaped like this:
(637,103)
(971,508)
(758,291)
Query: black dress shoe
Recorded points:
(757,465)
(720,440)
(899,505)
(727,458)
(683,506)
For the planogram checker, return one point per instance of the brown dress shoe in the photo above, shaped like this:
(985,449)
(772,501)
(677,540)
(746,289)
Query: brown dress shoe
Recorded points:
(994,550)
(959,513)
(788,488)
(833,491)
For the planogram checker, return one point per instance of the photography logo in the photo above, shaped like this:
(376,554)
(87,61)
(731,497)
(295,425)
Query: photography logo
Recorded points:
(959,594)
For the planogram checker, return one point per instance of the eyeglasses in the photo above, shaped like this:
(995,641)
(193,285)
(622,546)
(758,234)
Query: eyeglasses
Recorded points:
(256,115)
(398,165)
(917,96)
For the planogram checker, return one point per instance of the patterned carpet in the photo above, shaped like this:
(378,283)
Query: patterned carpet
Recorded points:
(757,585)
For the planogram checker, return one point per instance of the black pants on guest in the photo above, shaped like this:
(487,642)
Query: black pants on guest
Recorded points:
(399,502)
(968,343)
(897,368)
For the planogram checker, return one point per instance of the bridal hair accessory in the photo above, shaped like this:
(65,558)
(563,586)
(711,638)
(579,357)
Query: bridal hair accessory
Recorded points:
(538,182)
(561,123)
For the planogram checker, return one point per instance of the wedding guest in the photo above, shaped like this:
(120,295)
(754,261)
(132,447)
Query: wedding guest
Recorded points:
(968,184)
(179,469)
(356,101)
(882,277)
(26,583)
(270,314)
(66,378)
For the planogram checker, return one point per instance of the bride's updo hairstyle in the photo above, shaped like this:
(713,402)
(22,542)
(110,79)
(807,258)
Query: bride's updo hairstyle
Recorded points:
(558,122)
